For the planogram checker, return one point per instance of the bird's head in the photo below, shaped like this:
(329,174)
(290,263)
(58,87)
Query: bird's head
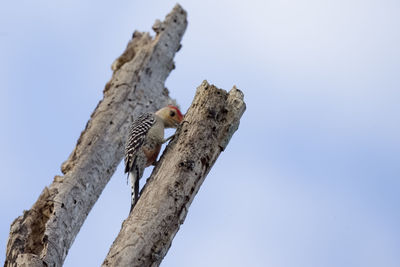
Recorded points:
(171,115)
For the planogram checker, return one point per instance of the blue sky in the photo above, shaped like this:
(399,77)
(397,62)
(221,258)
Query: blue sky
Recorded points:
(311,178)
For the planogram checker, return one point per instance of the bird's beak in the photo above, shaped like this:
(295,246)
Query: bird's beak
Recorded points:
(177,121)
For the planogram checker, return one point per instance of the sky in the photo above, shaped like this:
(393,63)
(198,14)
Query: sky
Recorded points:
(311,177)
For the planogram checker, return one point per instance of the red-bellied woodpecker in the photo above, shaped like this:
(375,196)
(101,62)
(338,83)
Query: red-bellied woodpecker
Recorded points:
(146,135)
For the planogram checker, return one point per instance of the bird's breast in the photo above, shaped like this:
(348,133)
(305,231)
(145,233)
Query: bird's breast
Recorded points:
(151,151)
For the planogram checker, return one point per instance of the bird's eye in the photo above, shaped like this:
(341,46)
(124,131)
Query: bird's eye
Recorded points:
(172,113)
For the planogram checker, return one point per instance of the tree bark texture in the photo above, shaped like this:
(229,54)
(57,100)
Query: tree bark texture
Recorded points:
(43,235)
(147,233)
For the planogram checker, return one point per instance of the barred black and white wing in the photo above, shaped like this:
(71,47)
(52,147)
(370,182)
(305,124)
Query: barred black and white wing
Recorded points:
(137,135)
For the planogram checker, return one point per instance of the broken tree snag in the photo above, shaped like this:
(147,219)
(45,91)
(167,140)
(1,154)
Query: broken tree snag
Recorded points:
(43,235)
(207,127)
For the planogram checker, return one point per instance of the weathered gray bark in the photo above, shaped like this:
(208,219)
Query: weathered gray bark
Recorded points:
(147,233)
(43,235)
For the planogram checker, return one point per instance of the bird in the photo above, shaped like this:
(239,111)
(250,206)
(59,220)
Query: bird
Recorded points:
(146,135)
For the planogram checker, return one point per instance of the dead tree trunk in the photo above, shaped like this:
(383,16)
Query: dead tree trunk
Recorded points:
(208,125)
(43,235)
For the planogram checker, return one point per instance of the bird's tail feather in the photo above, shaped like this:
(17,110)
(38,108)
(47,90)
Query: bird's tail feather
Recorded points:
(134,177)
